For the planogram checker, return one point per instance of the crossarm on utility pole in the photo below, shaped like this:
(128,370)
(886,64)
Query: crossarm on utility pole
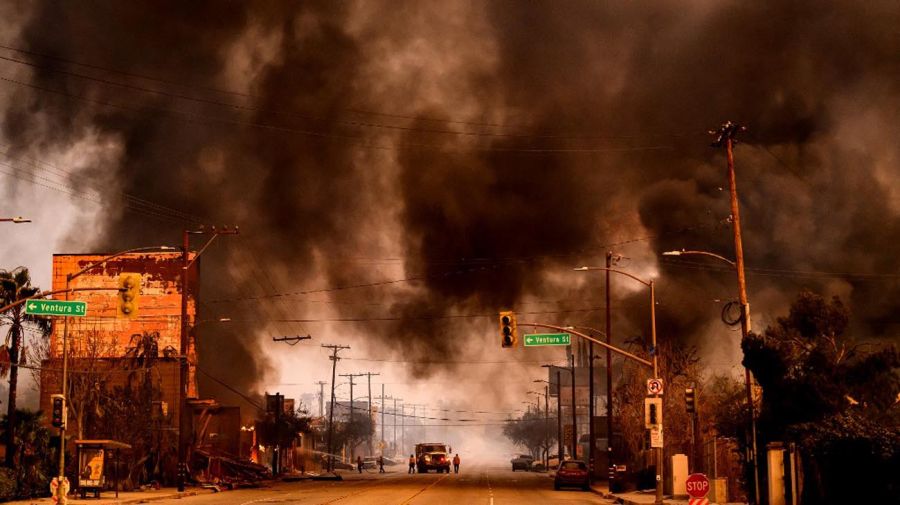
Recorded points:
(590,339)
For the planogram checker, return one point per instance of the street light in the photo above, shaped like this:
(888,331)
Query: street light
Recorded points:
(69,279)
(745,330)
(17,220)
(654,353)
(684,252)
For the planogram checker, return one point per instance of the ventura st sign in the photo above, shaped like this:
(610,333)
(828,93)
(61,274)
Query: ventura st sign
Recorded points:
(56,308)
(540,339)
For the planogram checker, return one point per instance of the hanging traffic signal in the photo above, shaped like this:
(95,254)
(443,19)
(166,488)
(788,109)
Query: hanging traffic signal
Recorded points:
(129,291)
(58,411)
(690,400)
(507,329)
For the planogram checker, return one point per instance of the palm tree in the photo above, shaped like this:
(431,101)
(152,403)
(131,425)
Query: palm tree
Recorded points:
(16,285)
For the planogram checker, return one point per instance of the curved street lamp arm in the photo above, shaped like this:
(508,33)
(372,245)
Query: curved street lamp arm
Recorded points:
(626,274)
(700,253)
(590,339)
(113,256)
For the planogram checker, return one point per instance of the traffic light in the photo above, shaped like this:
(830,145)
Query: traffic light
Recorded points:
(507,329)
(129,292)
(690,400)
(652,412)
(58,412)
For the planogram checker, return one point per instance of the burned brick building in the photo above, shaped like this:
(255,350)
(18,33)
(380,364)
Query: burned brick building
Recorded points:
(123,368)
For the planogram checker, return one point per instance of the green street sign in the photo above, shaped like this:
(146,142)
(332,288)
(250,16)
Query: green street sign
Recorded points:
(539,339)
(56,308)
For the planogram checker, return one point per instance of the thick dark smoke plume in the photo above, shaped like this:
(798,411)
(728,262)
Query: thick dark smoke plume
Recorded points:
(579,125)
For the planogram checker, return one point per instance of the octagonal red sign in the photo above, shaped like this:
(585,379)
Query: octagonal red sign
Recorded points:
(697,485)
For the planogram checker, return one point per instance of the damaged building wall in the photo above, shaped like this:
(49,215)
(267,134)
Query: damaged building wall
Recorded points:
(104,332)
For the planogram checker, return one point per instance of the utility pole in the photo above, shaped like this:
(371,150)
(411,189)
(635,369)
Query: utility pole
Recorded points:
(725,137)
(559,435)
(335,349)
(351,376)
(403,428)
(321,398)
(184,420)
(592,442)
(382,418)
(609,405)
(396,447)
(574,415)
(547,425)
(369,376)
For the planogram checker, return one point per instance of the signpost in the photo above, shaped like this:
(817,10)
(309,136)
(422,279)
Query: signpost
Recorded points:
(56,308)
(542,339)
(697,486)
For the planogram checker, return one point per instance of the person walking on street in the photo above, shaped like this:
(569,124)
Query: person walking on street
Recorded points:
(412,464)
(359,464)
(381,464)
(456,464)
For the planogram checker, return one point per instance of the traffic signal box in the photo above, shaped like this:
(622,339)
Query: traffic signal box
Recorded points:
(58,411)
(690,400)
(508,329)
(129,292)
(652,412)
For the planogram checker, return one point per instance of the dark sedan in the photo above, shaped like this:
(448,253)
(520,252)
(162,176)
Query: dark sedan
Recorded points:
(572,473)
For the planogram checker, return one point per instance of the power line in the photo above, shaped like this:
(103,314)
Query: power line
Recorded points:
(577,136)
(361,141)
(781,272)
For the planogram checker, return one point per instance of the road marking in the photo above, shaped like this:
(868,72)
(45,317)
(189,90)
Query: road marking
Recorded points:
(426,488)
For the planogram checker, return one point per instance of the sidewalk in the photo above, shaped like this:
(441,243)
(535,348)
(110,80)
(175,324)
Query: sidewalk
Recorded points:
(640,497)
(109,497)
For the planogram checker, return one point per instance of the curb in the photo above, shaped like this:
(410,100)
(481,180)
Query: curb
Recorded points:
(149,499)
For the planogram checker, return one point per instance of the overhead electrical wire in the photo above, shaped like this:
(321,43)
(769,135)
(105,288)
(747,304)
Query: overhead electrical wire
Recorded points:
(32,64)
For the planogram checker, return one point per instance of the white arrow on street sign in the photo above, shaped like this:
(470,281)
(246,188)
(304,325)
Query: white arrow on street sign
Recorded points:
(654,386)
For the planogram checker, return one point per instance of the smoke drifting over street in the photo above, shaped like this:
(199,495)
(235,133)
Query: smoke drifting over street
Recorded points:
(478,150)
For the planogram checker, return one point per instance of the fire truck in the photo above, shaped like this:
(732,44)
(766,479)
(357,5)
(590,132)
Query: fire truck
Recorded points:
(432,456)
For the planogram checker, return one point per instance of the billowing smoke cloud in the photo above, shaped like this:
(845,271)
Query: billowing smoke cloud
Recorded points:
(482,150)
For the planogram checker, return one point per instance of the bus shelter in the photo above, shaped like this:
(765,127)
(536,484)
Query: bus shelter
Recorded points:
(92,456)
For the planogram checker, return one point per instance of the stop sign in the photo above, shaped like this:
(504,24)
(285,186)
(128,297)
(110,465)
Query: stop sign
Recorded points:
(697,485)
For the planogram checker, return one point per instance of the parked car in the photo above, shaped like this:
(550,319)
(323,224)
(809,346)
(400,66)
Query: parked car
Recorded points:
(572,473)
(522,462)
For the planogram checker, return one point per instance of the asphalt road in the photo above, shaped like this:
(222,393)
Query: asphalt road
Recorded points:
(474,485)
